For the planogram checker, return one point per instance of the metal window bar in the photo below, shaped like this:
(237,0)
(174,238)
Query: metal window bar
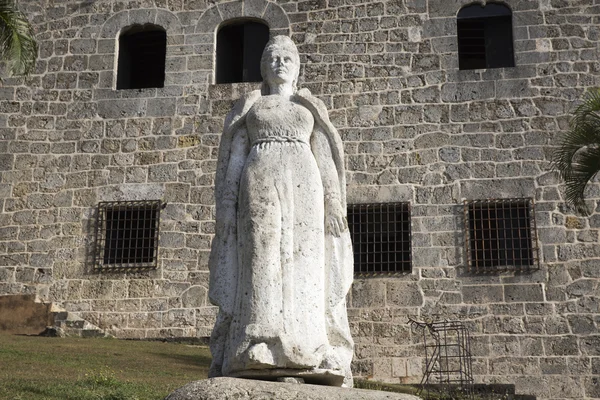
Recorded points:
(448,360)
(471,44)
(381,238)
(127,234)
(500,234)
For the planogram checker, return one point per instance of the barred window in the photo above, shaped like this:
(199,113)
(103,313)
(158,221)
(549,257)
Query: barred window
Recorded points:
(239,48)
(142,57)
(127,234)
(381,237)
(501,234)
(485,38)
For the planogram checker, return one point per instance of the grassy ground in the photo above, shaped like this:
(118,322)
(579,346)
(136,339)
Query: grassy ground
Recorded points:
(36,368)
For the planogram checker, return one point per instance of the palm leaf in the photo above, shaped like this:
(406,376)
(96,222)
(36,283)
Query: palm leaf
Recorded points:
(18,47)
(588,109)
(577,158)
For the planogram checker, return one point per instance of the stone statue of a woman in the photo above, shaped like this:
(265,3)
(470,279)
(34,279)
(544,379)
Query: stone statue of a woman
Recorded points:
(281,260)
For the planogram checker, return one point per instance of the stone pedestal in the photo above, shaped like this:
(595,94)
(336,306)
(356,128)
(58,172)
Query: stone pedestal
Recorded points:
(315,376)
(245,389)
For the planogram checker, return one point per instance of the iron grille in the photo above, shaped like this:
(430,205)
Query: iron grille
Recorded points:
(380,237)
(448,360)
(501,234)
(127,234)
(471,44)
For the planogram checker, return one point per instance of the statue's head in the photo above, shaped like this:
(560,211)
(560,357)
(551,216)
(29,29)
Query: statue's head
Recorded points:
(280,62)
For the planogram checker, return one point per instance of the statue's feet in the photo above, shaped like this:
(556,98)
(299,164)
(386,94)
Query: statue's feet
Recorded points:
(215,371)
(260,355)
(331,360)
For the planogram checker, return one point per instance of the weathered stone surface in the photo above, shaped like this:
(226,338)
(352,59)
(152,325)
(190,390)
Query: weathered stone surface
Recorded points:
(483,294)
(368,293)
(245,389)
(521,293)
(403,294)
(22,315)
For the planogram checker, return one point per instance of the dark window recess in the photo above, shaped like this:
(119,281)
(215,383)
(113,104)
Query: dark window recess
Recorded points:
(142,54)
(485,37)
(239,49)
(380,237)
(501,234)
(127,234)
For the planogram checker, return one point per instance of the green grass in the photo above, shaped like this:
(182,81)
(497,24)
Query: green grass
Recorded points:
(36,368)
(431,393)
(385,387)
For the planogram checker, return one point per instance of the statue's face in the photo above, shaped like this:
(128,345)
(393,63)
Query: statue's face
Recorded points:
(282,67)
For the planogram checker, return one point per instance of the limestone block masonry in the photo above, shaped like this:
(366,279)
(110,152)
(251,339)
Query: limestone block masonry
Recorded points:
(415,128)
(245,389)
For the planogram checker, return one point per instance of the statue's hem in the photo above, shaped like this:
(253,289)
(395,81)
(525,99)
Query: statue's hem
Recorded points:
(329,377)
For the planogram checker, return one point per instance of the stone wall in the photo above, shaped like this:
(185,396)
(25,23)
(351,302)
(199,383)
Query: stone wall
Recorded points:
(415,129)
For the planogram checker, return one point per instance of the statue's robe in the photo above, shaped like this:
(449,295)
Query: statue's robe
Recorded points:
(235,332)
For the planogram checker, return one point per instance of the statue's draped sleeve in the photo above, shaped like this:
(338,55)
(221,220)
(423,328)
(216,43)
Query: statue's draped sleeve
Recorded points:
(339,258)
(223,262)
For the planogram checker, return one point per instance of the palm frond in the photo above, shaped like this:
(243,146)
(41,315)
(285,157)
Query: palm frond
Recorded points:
(577,158)
(18,47)
(589,109)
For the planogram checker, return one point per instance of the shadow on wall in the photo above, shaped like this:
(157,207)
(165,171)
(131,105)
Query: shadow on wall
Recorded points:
(21,314)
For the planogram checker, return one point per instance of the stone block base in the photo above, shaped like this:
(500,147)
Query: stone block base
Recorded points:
(246,389)
(315,376)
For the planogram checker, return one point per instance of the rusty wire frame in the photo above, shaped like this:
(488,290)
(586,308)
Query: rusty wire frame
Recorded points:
(448,360)
(501,234)
(381,238)
(127,235)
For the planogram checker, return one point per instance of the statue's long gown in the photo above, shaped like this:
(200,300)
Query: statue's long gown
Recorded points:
(281,283)
(279,279)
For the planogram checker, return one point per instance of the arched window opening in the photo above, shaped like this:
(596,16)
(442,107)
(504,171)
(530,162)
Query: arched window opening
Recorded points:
(239,48)
(142,53)
(485,38)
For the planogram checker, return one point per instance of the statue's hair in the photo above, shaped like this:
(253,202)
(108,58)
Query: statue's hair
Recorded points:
(280,41)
